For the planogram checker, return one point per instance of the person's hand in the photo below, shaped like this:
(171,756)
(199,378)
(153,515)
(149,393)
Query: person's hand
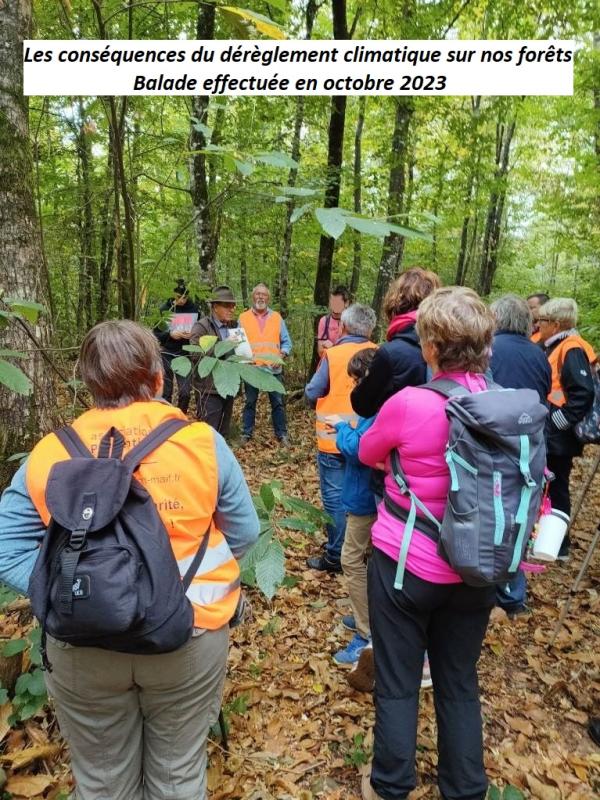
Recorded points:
(332,420)
(282,354)
(180,335)
(326,344)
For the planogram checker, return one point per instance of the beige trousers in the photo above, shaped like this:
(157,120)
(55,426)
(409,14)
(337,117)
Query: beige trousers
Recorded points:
(137,725)
(356,543)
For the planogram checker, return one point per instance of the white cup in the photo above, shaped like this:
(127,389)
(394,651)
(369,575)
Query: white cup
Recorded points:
(550,534)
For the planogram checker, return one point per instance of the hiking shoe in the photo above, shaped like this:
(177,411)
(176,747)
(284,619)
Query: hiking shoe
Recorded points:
(426,682)
(517,611)
(351,653)
(362,676)
(284,441)
(324,564)
(349,622)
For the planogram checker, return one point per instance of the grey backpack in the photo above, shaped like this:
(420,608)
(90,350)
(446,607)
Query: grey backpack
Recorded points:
(496,455)
(106,575)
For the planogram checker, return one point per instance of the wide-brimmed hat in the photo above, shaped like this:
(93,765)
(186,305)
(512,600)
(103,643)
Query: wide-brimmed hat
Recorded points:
(222,294)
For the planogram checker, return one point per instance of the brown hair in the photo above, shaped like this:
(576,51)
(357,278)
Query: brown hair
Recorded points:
(120,362)
(460,326)
(407,291)
(359,364)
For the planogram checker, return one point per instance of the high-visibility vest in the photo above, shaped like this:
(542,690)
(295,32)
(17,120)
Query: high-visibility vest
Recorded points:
(181,476)
(557,358)
(337,400)
(536,337)
(265,342)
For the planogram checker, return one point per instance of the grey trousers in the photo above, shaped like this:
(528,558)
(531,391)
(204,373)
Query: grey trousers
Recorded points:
(137,725)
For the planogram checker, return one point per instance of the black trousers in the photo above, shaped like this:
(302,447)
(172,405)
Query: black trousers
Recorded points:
(184,385)
(560,496)
(216,411)
(449,621)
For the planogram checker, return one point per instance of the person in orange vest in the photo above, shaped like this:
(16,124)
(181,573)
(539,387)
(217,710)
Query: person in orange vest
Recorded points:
(268,335)
(570,398)
(535,302)
(137,725)
(329,393)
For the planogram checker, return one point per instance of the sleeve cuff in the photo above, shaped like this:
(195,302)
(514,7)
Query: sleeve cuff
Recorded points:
(559,420)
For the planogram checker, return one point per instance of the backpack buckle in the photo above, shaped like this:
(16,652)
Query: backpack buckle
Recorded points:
(77,539)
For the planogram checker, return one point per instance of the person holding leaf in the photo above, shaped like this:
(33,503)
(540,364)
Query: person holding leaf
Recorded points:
(210,406)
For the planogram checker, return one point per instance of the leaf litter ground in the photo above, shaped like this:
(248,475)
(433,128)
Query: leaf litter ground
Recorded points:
(297,730)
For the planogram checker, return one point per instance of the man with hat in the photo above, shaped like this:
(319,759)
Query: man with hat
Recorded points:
(210,406)
(182,313)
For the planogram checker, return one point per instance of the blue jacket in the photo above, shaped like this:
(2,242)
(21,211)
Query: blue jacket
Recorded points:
(517,363)
(357,496)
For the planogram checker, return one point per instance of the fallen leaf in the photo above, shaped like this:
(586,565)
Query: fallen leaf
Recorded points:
(28,785)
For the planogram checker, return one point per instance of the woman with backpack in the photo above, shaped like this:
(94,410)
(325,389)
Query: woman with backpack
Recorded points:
(126,530)
(434,610)
(570,398)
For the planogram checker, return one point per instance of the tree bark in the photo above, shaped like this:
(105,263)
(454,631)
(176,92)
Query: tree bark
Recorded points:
(335,153)
(22,420)
(88,268)
(357,176)
(393,245)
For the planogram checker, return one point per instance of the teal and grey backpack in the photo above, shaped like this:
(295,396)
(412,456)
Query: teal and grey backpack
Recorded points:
(496,454)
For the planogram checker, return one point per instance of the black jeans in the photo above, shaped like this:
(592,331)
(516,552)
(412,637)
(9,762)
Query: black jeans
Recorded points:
(449,621)
(560,496)
(184,385)
(215,410)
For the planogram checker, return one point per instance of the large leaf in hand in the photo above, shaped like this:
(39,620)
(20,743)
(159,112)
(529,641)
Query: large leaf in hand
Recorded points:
(267,496)
(260,378)
(181,365)
(270,570)
(331,220)
(372,227)
(206,366)
(14,378)
(246,22)
(26,308)
(224,347)
(276,159)
(257,552)
(227,378)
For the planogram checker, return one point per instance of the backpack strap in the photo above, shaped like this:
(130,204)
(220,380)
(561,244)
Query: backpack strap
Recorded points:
(446,387)
(523,510)
(153,440)
(197,560)
(71,441)
(111,444)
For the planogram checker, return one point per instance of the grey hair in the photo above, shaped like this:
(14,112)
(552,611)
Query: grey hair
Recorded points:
(562,310)
(261,286)
(359,320)
(512,314)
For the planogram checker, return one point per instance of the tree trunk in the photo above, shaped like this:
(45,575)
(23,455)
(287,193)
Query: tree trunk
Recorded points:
(357,255)
(493,225)
(88,277)
(393,245)
(244,275)
(335,153)
(22,420)
(206,232)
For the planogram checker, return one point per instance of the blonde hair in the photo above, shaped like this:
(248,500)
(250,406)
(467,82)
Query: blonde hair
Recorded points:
(562,310)
(120,363)
(407,291)
(460,326)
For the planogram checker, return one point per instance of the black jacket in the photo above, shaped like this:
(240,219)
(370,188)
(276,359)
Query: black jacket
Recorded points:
(578,385)
(397,363)
(518,363)
(163,334)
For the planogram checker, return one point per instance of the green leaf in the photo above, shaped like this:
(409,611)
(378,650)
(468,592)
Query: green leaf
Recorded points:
(267,496)
(298,191)
(206,342)
(290,581)
(224,347)
(193,348)
(181,365)
(26,308)
(257,552)
(411,233)
(305,509)
(203,129)
(17,457)
(206,366)
(297,524)
(14,646)
(227,378)
(297,213)
(512,793)
(369,226)
(331,220)
(22,684)
(282,5)
(246,22)
(245,168)
(270,570)
(3,696)
(30,708)
(14,378)
(494,793)
(260,378)
(37,685)
(276,159)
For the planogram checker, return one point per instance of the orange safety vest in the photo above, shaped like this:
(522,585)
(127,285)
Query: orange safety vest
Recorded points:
(536,337)
(265,342)
(337,400)
(557,359)
(182,478)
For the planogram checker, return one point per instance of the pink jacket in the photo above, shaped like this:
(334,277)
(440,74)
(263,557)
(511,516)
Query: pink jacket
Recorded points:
(414,421)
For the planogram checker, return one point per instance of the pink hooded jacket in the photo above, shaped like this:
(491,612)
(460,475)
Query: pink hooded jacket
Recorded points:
(414,421)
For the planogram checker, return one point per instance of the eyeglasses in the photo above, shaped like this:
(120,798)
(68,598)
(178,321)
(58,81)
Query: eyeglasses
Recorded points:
(544,319)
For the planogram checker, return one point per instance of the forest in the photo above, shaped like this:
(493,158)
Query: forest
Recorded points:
(106,202)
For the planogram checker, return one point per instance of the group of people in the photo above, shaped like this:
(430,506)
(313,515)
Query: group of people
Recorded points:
(265,331)
(370,403)
(137,723)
